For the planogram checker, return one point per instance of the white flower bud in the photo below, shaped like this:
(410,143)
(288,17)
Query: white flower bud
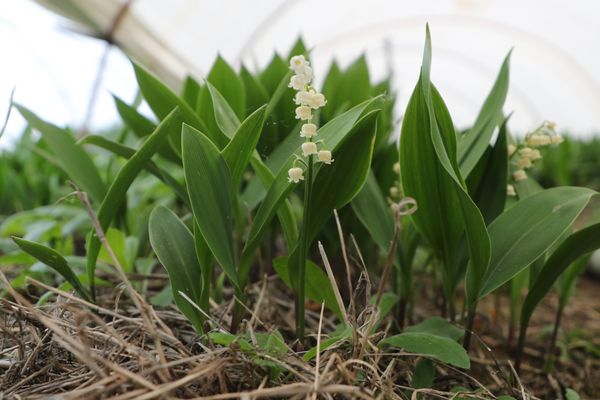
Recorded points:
(303,112)
(308,130)
(396,168)
(299,82)
(525,152)
(511,149)
(550,125)
(309,148)
(556,139)
(297,63)
(519,175)
(535,155)
(295,174)
(394,191)
(325,156)
(524,163)
(510,191)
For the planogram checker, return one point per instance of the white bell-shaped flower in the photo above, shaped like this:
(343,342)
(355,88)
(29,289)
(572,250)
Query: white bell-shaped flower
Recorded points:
(325,156)
(309,148)
(304,113)
(297,63)
(308,130)
(510,191)
(556,139)
(520,175)
(316,100)
(299,82)
(295,174)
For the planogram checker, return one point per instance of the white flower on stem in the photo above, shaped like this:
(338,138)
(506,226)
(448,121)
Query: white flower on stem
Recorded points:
(537,140)
(316,100)
(510,191)
(524,163)
(396,168)
(302,98)
(299,82)
(308,130)
(535,155)
(520,175)
(525,152)
(325,156)
(304,113)
(295,174)
(556,139)
(298,62)
(550,125)
(309,148)
(511,149)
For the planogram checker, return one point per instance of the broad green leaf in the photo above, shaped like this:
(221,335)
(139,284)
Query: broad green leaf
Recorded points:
(370,207)
(117,192)
(423,374)
(487,181)
(230,86)
(572,395)
(127,152)
(191,87)
(475,142)
(54,260)
(439,347)
(210,190)
(118,243)
(239,150)
(161,99)
(256,94)
(437,326)
(347,174)
(528,229)
(225,115)
(317,285)
(430,175)
(71,158)
(573,247)
(174,246)
(139,124)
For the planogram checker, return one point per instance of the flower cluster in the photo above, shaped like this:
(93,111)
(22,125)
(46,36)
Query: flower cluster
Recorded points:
(307,99)
(523,156)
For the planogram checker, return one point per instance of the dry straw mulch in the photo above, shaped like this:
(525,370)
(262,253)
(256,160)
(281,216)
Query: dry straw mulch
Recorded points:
(126,349)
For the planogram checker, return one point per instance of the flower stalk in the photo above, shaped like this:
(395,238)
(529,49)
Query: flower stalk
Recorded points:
(307,99)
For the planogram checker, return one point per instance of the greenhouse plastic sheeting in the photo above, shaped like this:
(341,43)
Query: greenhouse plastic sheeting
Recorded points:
(555,65)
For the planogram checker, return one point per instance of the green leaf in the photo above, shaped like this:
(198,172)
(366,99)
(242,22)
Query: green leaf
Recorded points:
(528,229)
(423,374)
(239,150)
(227,339)
(475,142)
(174,246)
(55,261)
(430,175)
(345,334)
(439,327)
(256,94)
(225,115)
(572,395)
(210,190)
(317,285)
(573,247)
(229,84)
(127,152)
(488,180)
(373,212)
(438,347)
(71,158)
(117,192)
(118,243)
(191,87)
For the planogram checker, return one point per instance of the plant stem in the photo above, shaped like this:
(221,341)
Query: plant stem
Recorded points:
(469,326)
(550,356)
(303,252)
